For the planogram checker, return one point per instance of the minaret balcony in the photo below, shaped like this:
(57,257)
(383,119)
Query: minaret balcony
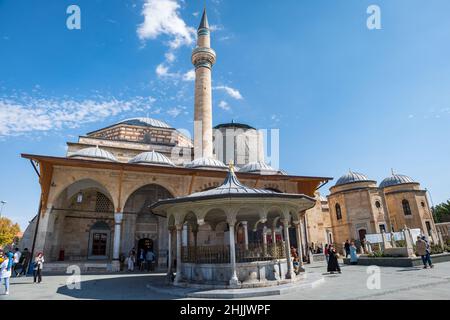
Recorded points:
(200,55)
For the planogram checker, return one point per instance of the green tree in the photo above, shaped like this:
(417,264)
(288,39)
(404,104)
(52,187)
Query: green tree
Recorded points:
(441,212)
(8,231)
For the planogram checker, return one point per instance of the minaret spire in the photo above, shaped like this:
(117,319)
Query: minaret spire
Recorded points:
(203,58)
(204,22)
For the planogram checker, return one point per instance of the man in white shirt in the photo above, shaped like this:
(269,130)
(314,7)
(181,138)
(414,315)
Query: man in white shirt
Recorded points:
(16,260)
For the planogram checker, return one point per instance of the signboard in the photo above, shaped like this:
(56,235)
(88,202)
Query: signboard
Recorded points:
(374,238)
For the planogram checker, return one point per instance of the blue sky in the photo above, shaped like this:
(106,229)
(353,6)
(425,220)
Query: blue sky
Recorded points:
(343,96)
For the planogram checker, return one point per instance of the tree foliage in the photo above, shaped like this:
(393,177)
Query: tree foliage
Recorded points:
(441,212)
(8,231)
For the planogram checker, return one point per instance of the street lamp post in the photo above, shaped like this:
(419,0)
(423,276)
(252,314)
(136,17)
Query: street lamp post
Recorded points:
(1,208)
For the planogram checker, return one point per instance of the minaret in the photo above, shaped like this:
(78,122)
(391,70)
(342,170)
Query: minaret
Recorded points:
(203,58)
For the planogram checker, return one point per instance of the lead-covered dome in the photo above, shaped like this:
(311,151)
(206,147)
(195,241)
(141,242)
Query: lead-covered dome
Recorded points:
(259,167)
(152,158)
(208,163)
(396,179)
(145,122)
(93,153)
(351,177)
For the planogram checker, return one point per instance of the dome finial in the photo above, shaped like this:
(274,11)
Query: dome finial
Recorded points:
(231,166)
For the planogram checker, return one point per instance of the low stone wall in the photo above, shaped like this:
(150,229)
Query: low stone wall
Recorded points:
(250,273)
(399,261)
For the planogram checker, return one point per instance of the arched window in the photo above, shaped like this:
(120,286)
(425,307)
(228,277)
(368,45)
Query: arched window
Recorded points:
(406,207)
(377,204)
(338,212)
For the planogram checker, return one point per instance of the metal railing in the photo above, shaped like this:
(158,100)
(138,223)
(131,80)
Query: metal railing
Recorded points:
(221,254)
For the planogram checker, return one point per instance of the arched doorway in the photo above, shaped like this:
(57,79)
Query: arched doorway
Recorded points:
(362,234)
(141,228)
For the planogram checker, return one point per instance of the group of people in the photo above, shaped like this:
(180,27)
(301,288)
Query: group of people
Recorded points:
(16,263)
(145,260)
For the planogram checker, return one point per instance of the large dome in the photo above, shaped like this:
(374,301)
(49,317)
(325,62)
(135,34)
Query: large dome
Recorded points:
(396,179)
(93,153)
(145,122)
(206,163)
(351,177)
(259,167)
(152,158)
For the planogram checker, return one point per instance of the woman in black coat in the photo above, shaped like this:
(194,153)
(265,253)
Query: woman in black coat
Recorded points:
(333,264)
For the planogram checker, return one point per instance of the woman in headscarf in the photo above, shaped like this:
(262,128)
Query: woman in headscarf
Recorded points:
(333,264)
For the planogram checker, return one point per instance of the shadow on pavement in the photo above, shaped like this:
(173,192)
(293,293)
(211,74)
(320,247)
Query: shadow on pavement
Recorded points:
(117,288)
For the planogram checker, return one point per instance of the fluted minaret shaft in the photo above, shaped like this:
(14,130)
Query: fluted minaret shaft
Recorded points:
(203,58)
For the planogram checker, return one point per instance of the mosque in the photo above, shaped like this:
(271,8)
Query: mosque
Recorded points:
(107,195)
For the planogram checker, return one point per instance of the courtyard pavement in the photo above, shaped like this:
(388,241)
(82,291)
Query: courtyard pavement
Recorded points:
(395,283)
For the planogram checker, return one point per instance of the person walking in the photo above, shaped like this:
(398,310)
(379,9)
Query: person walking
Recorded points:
(333,264)
(16,261)
(37,268)
(131,260)
(326,253)
(150,258)
(424,250)
(353,253)
(24,261)
(5,272)
(347,248)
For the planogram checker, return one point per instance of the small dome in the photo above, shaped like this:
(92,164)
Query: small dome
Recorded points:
(150,158)
(206,163)
(260,167)
(94,153)
(351,177)
(396,179)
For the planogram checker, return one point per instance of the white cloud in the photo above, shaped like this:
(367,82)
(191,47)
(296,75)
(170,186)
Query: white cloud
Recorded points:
(189,76)
(28,114)
(174,112)
(234,93)
(162,70)
(224,105)
(161,17)
(170,56)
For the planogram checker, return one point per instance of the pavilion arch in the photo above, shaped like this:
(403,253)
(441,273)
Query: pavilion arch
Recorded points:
(69,190)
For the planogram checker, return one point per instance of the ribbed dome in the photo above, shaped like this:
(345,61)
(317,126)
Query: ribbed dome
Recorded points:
(145,122)
(150,158)
(395,179)
(351,177)
(94,153)
(259,167)
(206,163)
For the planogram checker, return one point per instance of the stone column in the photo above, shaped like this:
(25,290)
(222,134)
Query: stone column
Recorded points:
(178,276)
(234,281)
(195,233)
(290,273)
(265,241)
(169,266)
(274,235)
(299,242)
(244,225)
(118,217)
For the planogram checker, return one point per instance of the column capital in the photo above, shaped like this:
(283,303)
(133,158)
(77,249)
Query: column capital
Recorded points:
(244,223)
(179,226)
(118,216)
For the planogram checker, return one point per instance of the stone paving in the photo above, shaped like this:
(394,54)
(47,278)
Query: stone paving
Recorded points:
(396,283)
